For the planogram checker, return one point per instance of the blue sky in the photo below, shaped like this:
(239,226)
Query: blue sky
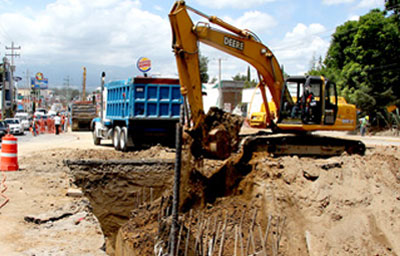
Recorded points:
(59,37)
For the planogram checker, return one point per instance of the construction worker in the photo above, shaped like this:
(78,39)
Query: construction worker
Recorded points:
(62,123)
(66,123)
(364,122)
(33,126)
(57,123)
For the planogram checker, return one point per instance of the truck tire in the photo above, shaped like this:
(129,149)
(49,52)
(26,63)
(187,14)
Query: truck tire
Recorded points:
(96,140)
(123,143)
(75,126)
(116,138)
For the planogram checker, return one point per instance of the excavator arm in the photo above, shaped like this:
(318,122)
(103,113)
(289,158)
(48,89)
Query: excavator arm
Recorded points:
(236,42)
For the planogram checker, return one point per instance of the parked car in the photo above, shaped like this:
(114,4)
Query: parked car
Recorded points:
(24,119)
(40,111)
(14,125)
(3,129)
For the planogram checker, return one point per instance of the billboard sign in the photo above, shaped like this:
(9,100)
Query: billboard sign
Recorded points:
(144,64)
(39,81)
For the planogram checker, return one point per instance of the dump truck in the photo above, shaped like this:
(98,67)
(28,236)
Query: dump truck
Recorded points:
(82,113)
(138,111)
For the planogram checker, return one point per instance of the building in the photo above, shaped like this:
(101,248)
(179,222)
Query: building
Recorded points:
(235,98)
(230,97)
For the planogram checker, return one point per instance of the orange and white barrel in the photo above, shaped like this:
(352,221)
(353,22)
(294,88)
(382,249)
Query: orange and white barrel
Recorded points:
(9,156)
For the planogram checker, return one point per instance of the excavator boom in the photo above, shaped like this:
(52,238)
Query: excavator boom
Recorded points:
(239,43)
(285,112)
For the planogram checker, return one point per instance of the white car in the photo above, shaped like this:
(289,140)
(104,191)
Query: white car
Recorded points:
(14,125)
(23,119)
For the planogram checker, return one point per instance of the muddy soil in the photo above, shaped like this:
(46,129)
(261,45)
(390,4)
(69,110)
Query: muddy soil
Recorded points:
(345,205)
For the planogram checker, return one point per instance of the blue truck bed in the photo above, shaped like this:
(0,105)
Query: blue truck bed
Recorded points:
(140,111)
(143,98)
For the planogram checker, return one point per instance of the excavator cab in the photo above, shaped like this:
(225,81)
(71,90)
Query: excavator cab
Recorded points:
(308,100)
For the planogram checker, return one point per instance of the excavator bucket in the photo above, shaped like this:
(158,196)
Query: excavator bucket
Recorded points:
(218,137)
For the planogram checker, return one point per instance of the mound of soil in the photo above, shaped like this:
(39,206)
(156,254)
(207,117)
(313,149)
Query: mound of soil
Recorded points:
(343,205)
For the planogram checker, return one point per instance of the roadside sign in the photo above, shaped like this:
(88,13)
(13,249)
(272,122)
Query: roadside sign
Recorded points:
(39,81)
(39,76)
(144,64)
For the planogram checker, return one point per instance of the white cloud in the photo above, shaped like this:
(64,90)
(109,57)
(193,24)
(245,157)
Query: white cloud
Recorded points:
(299,46)
(354,17)
(368,4)
(333,2)
(237,4)
(110,32)
(255,21)
(301,33)
(158,8)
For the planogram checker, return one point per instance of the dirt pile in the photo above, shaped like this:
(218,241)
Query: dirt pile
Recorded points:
(342,205)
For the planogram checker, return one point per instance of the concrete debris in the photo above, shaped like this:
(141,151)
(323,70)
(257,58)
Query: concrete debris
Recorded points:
(311,174)
(331,165)
(74,192)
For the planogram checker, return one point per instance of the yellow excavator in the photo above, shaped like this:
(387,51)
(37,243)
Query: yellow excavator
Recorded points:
(300,104)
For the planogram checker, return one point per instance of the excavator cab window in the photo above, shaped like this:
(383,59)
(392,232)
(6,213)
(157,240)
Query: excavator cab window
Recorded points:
(290,109)
(330,103)
(302,101)
(311,104)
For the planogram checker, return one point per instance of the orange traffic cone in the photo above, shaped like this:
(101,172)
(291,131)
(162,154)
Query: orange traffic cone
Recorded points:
(9,159)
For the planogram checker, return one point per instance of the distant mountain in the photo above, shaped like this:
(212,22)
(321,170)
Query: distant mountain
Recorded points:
(59,74)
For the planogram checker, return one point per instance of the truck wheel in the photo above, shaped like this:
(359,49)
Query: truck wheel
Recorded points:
(124,139)
(75,126)
(116,137)
(96,140)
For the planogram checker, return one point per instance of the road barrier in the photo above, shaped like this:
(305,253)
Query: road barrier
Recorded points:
(42,125)
(9,158)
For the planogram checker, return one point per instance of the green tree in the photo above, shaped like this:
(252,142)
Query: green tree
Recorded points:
(393,5)
(317,67)
(203,68)
(364,60)
(244,78)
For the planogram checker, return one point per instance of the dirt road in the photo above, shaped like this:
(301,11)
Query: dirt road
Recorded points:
(38,193)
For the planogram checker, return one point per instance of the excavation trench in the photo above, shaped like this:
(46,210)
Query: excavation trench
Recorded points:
(116,187)
(139,191)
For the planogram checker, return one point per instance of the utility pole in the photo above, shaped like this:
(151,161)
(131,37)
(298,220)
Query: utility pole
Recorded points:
(221,94)
(66,82)
(12,70)
(84,84)
(27,77)
(12,54)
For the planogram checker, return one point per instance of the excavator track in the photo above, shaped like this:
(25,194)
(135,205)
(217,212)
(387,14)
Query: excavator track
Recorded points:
(302,145)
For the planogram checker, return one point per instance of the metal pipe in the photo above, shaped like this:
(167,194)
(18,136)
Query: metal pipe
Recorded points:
(103,76)
(219,22)
(177,181)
